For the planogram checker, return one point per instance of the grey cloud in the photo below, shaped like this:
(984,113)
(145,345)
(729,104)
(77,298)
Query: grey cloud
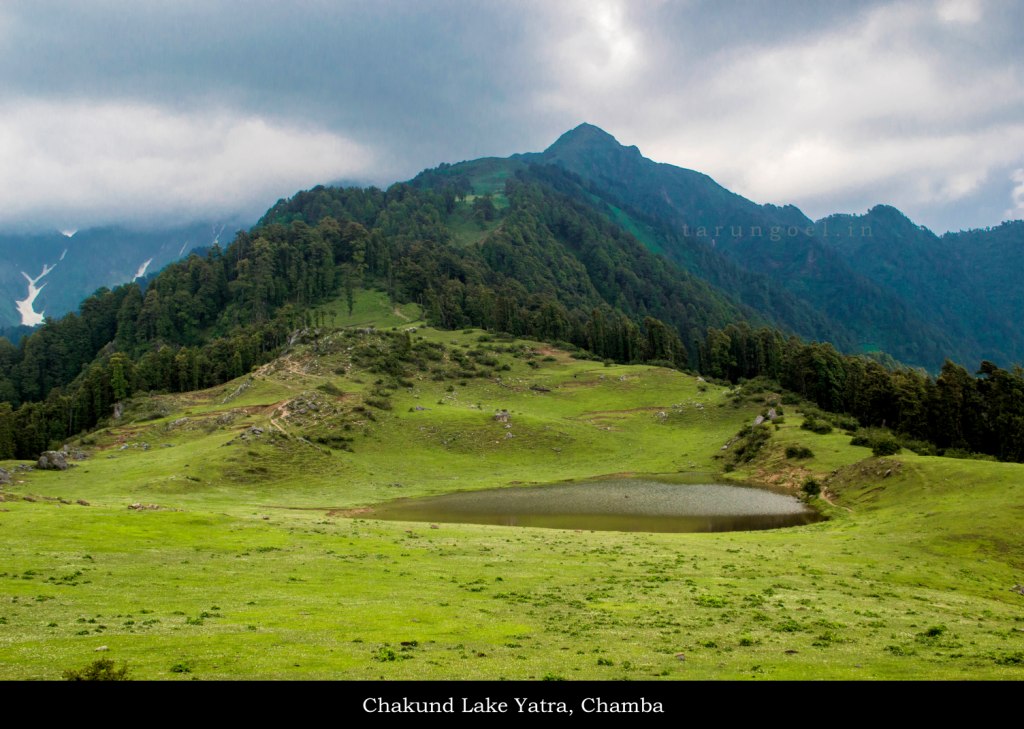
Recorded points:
(729,88)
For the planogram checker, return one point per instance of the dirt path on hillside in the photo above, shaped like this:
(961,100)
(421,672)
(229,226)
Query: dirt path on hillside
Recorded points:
(279,410)
(292,367)
(824,495)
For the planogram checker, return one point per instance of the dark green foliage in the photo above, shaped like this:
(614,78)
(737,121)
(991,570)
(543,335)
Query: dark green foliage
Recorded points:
(886,446)
(813,424)
(751,440)
(331,389)
(102,669)
(799,452)
(811,487)
(918,446)
(883,443)
(953,412)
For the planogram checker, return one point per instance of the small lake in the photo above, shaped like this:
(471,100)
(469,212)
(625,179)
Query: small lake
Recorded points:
(623,505)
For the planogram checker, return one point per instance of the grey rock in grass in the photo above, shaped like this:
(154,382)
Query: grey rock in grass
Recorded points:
(52,461)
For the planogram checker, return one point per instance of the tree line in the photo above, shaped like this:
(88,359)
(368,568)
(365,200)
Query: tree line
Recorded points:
(955,410)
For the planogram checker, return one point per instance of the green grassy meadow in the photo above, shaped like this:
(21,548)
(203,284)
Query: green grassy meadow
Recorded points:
(257,563)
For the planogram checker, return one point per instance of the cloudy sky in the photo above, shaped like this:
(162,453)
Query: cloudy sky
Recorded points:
(147,111)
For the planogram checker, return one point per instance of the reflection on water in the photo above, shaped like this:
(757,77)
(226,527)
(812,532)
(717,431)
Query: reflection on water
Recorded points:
(629,505)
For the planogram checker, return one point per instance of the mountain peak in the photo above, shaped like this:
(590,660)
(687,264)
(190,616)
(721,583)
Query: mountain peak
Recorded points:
(588,137)
(585,134)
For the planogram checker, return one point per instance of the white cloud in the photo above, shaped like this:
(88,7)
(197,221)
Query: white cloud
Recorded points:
(599,48)
(1017,196)
(872,110)
(959,11)
(72,164)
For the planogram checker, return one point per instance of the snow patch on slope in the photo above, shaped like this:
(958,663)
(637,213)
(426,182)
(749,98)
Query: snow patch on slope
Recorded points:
(29,316)
(142,270)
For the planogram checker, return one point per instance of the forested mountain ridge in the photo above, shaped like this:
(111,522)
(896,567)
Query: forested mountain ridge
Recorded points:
(778,247)
(967,282)
(512,246)
(545,265)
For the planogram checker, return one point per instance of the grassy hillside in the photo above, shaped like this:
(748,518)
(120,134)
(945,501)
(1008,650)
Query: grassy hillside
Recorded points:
(255,562)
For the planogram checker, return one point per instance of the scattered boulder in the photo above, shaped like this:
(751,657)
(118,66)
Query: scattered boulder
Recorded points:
(144,507)
(52,461)
(5,476)
(772,414)
(758,420)
(82,502)
(503,416)
(239,390)
(1019,589)
(118,410)
(73,453)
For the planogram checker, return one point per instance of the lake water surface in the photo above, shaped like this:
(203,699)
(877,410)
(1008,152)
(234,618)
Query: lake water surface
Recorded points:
(624,504)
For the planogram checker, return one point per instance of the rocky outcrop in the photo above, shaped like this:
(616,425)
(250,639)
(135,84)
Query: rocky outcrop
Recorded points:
(52,461)
(74,454)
